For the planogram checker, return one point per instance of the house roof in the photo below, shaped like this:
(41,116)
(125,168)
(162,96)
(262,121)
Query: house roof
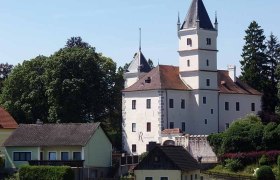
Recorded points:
(33,135)
(177,155)
(6,120)
(140,63)
(197,12)
(227,86)
(161,77)
(165,77)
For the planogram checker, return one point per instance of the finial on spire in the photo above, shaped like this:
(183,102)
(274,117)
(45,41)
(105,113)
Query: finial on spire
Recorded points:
(216,21)
(178,22)
(140,36)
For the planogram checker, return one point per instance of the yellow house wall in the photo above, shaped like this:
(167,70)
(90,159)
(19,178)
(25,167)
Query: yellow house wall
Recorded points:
(156,174)
(4,134)
(58,150)
(98,151)
(9,153)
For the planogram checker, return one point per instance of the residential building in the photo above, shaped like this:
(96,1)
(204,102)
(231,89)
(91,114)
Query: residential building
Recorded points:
(195,97)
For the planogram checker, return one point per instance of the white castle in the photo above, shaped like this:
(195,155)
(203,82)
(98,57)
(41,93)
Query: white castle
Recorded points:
(194,98)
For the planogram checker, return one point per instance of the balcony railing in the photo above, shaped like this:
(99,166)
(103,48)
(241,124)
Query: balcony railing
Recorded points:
(71,163)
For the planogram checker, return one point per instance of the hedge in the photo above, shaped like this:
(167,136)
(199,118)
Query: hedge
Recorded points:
(265,173)
(46,173)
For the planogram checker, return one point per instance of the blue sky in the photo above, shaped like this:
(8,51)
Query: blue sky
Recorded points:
(32,27)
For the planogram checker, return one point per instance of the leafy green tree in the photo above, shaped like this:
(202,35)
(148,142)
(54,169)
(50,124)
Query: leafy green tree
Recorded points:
(23,94)
(5,70)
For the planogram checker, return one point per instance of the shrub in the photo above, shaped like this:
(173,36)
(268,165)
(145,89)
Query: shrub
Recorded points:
(263,161)
(2,162)
(265,173)
(278,163)
(46,173)
(233,165)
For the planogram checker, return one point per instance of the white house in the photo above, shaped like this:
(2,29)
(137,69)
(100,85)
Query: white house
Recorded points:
(194,97)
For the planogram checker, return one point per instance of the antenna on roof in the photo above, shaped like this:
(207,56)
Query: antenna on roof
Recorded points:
(140,34)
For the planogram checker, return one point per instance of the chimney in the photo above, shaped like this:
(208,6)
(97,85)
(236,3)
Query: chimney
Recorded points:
(232,72)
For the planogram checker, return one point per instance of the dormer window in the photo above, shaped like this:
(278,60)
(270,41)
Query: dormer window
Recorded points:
(208,41)
(189,41)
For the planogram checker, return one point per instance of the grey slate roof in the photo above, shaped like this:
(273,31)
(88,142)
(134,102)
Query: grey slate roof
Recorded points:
(139,60)
(196,12)
(179,157)
(33,135)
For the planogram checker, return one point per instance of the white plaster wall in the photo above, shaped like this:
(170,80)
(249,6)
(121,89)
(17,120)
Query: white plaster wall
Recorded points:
(211,56)
(203,35)
(184,35)
(183,61)
(130,81)
(141,115)
(212,76)
(245,107)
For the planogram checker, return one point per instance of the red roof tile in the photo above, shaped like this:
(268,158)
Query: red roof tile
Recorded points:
(161,77)
(167,78)
(6,120)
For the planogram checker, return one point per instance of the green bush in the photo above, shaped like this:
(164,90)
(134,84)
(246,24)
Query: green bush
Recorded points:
(46,173)
(264,161)
(265,173)
(278,163)
(233,165)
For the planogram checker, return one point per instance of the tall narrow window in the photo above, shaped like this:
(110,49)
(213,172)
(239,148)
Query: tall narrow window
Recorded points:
(188,63)
(227,125)
(212,111)
(148,103)
(133,127)
(171,125)
(207,82)
(237,106)
(134,148)
(183,104)
(133,104)
(148,127)
(253,107)
(183,126)
(171,103)
(189,41)
(205,121)
(226,106)
(207,62)
(208,41)
(204,100)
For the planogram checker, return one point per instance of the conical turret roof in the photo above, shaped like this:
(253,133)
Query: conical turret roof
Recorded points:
(197,13)
(139,64)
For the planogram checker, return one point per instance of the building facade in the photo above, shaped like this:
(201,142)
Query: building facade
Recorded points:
(195,97)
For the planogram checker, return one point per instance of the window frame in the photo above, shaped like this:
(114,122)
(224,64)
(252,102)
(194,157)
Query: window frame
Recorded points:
(207,82)
(171,103)
(133,105)
(73,156)
(133,127)
(226,106)
(208,41)
(148,103)
(149,127)
(204,100)
(133,148)
(49,153)
(68,155)
(148,178)
(164,178)
(21,158)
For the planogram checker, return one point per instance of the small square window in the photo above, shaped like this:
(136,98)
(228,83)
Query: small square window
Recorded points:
(171,103)
(133,104)
(171,125)
(148,127)
(253,106)
(183,104)
(133,127)
(237,106)
(134,148)
(226,106)
(204,100)
(148,103)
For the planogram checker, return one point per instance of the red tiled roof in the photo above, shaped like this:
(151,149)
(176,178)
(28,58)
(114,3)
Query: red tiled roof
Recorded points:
(6,120)
(162,77)
(167,78)
(171,131)
(227,86)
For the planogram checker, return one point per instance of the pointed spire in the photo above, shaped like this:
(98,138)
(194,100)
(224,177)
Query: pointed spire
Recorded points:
(197,17)
(178,22)
(216,21)
(140,39)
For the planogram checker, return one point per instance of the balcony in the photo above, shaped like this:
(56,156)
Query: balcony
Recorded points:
(71,163)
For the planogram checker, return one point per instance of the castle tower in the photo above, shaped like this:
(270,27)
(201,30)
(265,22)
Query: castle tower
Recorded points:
(198,64)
